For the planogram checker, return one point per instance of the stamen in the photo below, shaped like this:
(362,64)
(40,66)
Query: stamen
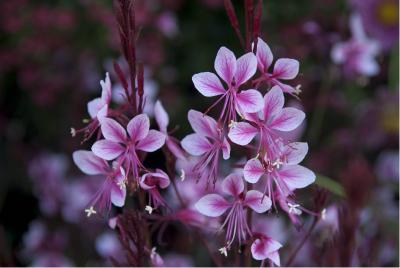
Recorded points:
(232,124)
(73,132)
(183,174)
(293,208)
(224,251)
(323,214)
(90,211)
(85,120)
(297,89)
(149,209)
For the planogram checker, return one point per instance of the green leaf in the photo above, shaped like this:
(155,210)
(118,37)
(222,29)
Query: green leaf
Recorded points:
(330,185)
(394,69)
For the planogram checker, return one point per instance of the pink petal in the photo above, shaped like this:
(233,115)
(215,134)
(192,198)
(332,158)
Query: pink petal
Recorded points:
(289,119)
(233,184)
(208,84)
(257,201)
(295,152)
(253,170)
(94,107)
(225,64)
(296,176)
(262,249)
(175,149)
(249,101)
(152,142)
(203,124)
(112,130)
(274,257)
(164,180)
(264,55)
(284,87)
(103,112)
(118,193)
(242,133)
(161,116)
(246,68)
(138,127)
(195,144)
(107,150)
(286,68)
(273,102)
(143,182)
(88,163)
(212,205)
(106,89)
(226,149)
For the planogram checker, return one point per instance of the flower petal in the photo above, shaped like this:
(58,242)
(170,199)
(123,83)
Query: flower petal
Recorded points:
(246,68)
(112,130)
(152,142)
(161,116)
(225,64)
(242,133)
(233,184)
(203,124)
(195,144)
(88,163)
(273,102)
(107,150)
(106,89)
(175,149)
(264,56)
(249,101)
(212,205)
(138,127)
(208,84)
(163,178)
(274,257)
(295,152)
(118,193)
(94,107)
(289,119)
(253,170)
(257,201)
(226,149)
(286,68)
(296,176)
(262,248)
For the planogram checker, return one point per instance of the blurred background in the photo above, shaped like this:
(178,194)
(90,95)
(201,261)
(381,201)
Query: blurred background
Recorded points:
(54,53)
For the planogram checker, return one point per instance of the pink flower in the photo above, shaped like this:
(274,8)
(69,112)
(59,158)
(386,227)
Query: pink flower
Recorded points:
(284,172)
(234,73)
(284,68)
(98,108)
(214,205)
(358,54)
(268,123)
(119,144)
(151,182)
(162,120)
(265,247)
(208,142)
(113,189)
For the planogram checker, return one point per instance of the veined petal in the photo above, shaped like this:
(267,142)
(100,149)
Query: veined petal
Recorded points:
(112,130)
(249,101)
(289,119)
(225,64)
(226,149)
(88,163)
(138,127)
(152,142)
(212,205)
(195,144)
(208,84)
(94,107)
(161,116)
(257,201)
(246,68)
(233,184)
(262,248)
(273,102)
(253,170)
(296,176)
(284,87)
(102,113)
(107,150)
(203,124)
(286,68)
(242,133)
(295,152)
(264,56)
